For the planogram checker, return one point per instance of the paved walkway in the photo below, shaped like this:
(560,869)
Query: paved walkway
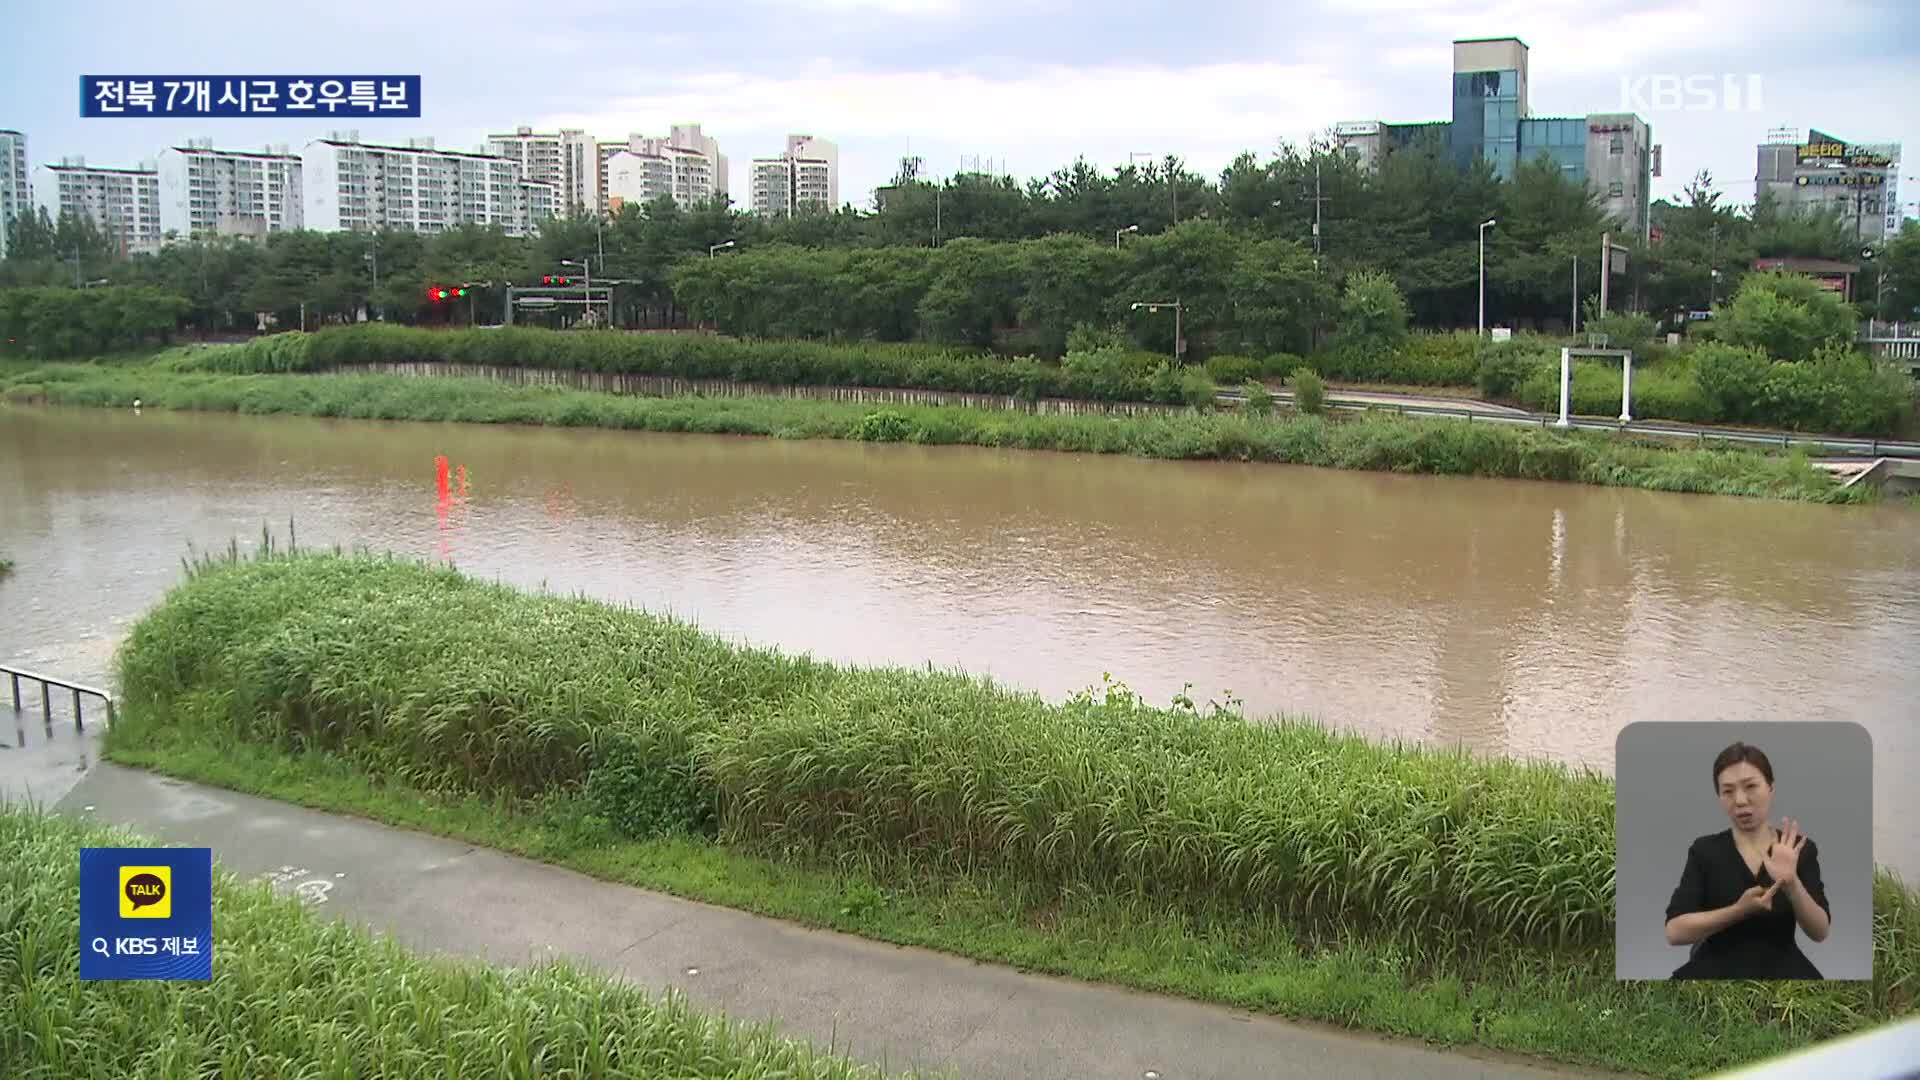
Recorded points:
(899,1007)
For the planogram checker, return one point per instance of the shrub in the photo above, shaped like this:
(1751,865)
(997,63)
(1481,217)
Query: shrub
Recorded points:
(1373,314)
(1279,365)
(1788,316)
(1730,380)
(643,783)
(1259,398)
(1503,366)
(1309,392)
(885,425)
(1229,370)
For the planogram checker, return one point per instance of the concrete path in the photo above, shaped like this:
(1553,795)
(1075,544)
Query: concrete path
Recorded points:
(897,1007)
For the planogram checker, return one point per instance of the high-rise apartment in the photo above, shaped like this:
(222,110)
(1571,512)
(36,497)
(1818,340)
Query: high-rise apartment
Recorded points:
(16,189)
(567,160)
(806,175)
(123,203)
(208,192)
(360,187)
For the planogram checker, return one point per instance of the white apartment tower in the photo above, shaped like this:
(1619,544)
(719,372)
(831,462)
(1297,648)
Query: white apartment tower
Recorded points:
(123,203)
(568,161)
(208,192)
(352,186)
(686,165)
(16,193)
(808,174)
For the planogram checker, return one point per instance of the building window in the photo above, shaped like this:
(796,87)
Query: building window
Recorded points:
(1615,190)
(1617,146)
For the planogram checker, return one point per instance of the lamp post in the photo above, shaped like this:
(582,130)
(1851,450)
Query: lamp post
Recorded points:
(1118,233)
(1179,339)
(373,256)
(717,247)
(1484,226)
(585,264)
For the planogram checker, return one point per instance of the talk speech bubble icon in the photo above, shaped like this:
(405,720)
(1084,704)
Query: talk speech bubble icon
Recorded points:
(143,892)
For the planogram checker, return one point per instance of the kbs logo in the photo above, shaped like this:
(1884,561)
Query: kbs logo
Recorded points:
(1689,93)
(146,892)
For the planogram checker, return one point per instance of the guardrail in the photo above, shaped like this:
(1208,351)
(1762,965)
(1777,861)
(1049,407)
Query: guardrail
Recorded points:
(47,682)
(1864,447)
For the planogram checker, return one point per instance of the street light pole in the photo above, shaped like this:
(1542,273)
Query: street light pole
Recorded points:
(1179,332)
(1118,233)
(1484,226)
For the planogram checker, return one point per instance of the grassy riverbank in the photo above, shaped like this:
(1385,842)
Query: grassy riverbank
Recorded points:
(294,994)
(1379,443)
(1273,867)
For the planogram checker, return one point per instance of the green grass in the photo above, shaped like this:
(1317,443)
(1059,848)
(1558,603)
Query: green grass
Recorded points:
(1383,443)
(1278,867)
(293,994)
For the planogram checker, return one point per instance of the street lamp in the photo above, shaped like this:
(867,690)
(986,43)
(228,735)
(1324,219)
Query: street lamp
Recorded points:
(1118,233)
(717,247)
(1179,340)
(586,264)
(95,281)
(1484,226)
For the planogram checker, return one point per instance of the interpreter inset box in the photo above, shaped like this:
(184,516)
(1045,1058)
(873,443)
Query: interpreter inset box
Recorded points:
(1744,850)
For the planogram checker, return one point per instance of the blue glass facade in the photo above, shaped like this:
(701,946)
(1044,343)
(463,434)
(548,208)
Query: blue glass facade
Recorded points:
(1486,119)
(1562,140)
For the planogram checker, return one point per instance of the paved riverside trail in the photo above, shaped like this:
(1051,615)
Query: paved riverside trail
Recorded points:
(903,1008)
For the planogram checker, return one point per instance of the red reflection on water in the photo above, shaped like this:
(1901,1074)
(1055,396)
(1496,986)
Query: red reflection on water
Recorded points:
(560,506)
(450,506)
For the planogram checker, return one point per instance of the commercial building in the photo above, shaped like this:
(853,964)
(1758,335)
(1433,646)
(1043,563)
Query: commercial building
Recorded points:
(208,192)
(360,187)
(123,203)
(16,188)
(567,160)
(807,175)
(1858,180)
(1613,153)
(686,165)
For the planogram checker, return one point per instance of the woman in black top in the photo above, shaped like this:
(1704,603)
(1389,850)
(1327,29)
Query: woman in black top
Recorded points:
(1745,889)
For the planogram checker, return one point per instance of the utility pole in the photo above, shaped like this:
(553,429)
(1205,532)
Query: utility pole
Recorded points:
(1575,323)
(1606,269)
(1713,269)
(1319,200)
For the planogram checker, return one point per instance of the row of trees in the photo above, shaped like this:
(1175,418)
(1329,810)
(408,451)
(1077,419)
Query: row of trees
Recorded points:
(1417,218)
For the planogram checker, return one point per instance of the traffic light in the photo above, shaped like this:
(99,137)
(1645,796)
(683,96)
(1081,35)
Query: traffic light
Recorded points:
(555,279)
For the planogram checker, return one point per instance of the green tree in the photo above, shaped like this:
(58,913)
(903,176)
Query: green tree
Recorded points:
(1373,314)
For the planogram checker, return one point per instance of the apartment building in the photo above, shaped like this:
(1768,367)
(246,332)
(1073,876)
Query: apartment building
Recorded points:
(123,203)
(16,186)
(686,165)
(567,160)
(806,175)
(353,186)
(209,192)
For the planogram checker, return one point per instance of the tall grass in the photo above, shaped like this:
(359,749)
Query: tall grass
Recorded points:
(1384,443)
(296,995)
(696,356)
(426,677)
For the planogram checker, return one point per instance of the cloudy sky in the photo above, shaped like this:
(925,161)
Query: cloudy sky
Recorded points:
(1028,84)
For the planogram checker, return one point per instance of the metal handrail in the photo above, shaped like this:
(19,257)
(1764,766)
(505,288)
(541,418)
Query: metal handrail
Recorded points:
(1870,447)
(46,682)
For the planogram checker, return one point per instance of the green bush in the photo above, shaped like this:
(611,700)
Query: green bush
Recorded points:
(1309,392)
(1731,379)
(1373,314)
(1231,370)
(1279,365)
(1502,367)
(886,425)
(1788,316)
(644,783)
(1259,399)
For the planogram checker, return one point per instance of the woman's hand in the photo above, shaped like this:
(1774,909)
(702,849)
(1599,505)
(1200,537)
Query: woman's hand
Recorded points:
(1756,901)
(1783,858)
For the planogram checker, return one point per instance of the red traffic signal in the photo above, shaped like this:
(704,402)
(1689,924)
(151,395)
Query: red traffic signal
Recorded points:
(555,279)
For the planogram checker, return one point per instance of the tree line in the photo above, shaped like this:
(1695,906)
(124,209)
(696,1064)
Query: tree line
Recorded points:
(957,259)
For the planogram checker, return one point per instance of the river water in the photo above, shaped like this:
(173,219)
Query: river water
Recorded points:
(1527,618)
